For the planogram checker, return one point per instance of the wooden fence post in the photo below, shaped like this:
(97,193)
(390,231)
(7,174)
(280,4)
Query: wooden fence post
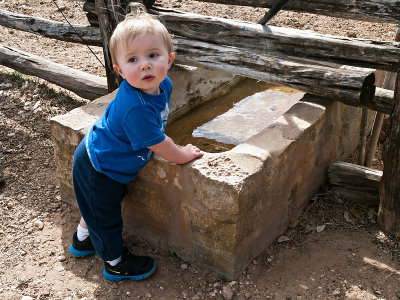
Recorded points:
(389,192)
(110,13)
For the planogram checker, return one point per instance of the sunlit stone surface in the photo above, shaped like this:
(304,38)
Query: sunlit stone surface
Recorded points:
(248,117)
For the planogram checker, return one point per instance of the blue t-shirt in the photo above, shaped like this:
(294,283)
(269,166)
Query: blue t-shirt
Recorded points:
(117,143)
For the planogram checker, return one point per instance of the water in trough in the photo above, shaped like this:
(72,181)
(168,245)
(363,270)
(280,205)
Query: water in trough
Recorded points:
(224,122)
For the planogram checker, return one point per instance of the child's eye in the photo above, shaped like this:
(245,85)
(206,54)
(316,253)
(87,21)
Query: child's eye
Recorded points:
(132,60)
(153,55)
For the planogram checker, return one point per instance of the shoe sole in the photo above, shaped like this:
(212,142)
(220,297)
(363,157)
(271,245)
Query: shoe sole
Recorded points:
(121,277)
(79,253)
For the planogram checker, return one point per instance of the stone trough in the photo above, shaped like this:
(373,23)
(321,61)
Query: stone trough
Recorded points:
(221,211)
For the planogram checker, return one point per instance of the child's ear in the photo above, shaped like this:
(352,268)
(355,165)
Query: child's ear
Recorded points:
(171,59)
(117,69)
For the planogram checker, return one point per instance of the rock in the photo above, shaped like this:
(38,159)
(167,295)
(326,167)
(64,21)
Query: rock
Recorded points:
(227,292)
(61,258)
(38,224)
(232,283)
(336,292)
(148,295)
(26,298)
(184,266)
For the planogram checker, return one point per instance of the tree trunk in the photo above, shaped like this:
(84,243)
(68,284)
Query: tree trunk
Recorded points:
(110,14)
(389,208)
(371,11)
(83,84)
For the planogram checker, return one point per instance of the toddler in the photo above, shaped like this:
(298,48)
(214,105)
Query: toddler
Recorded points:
(122,141)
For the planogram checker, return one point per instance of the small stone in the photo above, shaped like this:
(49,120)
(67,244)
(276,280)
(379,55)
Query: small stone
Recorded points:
(61,258)
(303,286)
(38,224)
(60,269)
(227,292)
(128,294)
(184,266)
(196,297)
(336,292)
(26,298)
(232,283)
(255,262)
(247,295)
(184,294)
(148,295)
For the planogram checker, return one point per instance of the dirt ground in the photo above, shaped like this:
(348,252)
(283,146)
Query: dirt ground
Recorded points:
(333,251)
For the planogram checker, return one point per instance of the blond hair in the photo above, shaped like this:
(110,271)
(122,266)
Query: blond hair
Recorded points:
(138,22)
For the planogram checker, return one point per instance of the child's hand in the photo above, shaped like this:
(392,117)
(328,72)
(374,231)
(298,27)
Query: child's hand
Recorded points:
(192,152)
(168,150)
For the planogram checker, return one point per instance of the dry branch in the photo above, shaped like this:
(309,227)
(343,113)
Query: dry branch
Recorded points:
(85,85)
(371,11)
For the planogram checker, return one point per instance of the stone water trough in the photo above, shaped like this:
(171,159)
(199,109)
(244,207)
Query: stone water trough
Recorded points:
(221,211)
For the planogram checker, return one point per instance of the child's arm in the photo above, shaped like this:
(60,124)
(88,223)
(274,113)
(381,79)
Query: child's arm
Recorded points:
(168,150)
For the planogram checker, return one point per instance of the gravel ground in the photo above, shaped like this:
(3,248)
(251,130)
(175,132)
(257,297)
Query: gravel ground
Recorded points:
(333,251)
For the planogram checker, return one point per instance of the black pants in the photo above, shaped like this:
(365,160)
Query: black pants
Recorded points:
(99,198)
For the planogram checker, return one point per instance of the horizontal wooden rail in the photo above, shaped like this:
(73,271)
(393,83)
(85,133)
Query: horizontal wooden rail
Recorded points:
(266,39)
(387,11)
(353,87)
(285,41)
(83,84)
(355,183)
(350,86)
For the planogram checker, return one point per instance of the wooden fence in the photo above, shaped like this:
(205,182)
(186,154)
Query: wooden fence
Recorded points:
(338,68)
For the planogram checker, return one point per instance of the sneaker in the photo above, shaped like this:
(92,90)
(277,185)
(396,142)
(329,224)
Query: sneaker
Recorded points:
(130,267)
(81,248)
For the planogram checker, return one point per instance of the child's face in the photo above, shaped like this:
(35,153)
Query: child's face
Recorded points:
(144,62)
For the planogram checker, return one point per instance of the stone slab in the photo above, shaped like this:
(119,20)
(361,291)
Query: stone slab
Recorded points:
(248,117)
(221,211)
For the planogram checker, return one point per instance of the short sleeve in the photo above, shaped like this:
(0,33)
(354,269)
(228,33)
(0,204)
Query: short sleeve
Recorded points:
(143,128)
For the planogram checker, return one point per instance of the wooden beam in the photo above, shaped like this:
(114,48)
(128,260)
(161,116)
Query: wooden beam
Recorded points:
(284,41)
(352,87)
(355,183)
(264,39)
(110,14)
(51,29)
(83,84)
(387,11)
(389,208)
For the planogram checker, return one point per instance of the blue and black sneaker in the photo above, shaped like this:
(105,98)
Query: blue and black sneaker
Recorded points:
(130,267)
(81,248)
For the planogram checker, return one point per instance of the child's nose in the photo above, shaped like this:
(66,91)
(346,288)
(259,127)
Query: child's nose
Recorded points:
(146,65)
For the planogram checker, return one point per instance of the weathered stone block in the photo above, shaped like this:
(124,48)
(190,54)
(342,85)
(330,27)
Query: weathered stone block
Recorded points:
(222,210)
